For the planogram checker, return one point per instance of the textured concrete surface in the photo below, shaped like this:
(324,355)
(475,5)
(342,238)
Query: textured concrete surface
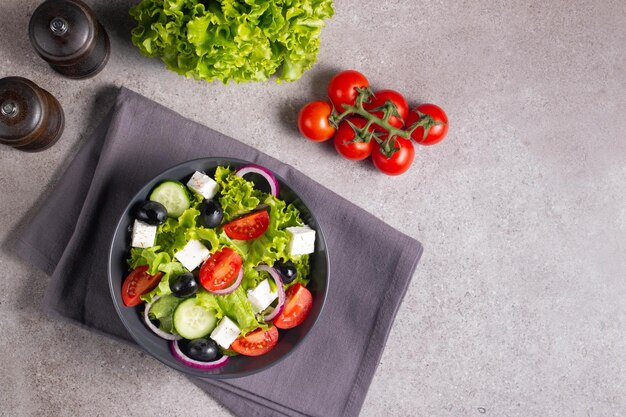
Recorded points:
(518,307)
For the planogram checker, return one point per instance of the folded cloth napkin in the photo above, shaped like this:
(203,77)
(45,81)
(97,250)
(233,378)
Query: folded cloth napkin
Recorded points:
(140,138)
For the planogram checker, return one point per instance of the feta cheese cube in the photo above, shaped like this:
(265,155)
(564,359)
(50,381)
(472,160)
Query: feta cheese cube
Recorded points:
(225,333)
(203,184)
(143,235)
(193,254)
(262,296)
(302,240)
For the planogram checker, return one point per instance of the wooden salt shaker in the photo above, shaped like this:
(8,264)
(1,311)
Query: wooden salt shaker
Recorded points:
(67,35)
(31,119)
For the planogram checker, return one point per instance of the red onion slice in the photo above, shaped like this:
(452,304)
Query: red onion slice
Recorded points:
(232,287)
(186,360)
(271,315)
(151,326)
(264,172)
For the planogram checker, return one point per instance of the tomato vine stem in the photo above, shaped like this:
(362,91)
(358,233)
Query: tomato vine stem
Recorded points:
(388,144)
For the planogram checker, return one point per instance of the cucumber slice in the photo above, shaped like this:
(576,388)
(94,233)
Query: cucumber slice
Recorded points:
(173,195)
(192,321)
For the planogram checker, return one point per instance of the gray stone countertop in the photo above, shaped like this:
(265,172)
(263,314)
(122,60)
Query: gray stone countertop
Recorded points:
(518,307)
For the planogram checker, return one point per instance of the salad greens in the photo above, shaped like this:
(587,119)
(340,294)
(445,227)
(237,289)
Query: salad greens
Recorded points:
(163,311)
(240,40)
(237,196)
(235,305)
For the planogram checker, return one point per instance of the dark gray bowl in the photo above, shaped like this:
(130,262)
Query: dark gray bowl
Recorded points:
(241,365)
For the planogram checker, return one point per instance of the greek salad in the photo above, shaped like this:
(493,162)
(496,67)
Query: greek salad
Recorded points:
(218,265)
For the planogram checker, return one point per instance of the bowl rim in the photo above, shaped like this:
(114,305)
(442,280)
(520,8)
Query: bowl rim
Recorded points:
(191,371)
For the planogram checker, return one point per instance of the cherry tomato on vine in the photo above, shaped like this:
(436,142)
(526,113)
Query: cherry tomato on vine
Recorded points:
(436,132)
(345,144)
(380,98)
(313,121)
(342,88)
(399,162)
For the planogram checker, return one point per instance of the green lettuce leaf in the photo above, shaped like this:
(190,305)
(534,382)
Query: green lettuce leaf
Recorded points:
(302,266)
(163,311)
(174,234)
(237,307)
(234,305)
(170,270)
(239,40)
(209,301)
(237,195)
(252,277)
(148,256)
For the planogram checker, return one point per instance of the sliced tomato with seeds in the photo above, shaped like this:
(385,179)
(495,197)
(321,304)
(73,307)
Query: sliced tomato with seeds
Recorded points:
(220,270)
(249,226)
(138,283)
(257,342)
(298,303)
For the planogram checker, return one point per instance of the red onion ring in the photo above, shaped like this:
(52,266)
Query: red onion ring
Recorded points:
(233,287)
(151,326)
(264,172)
(281,292)
(186,360)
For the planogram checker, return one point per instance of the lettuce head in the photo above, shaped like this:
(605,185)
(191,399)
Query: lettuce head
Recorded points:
(239,40)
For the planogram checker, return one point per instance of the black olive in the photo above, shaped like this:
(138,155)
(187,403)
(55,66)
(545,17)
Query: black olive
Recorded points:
(286,270)
(151,212)
(184,285)
(211,213)
(204,349)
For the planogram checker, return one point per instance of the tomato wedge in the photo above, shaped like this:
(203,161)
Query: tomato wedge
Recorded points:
(298,303)
(257,342)
(249,226)
(137,283)
(220,270)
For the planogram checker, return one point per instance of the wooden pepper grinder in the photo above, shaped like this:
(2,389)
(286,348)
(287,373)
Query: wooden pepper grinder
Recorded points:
(31,119)
(66,34)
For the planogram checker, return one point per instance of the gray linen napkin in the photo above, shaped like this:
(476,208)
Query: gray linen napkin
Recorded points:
(141,138)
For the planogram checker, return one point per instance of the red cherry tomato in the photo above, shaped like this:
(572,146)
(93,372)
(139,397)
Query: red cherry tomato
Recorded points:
(257,342)
(435,133)
(298,303)
(137,283)
(344,138)
(399,162)
(249,226)
(380,98)
(342,88)
(220,270)
(313,121)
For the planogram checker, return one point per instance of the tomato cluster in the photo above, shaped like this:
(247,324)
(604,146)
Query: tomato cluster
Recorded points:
(379,124)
